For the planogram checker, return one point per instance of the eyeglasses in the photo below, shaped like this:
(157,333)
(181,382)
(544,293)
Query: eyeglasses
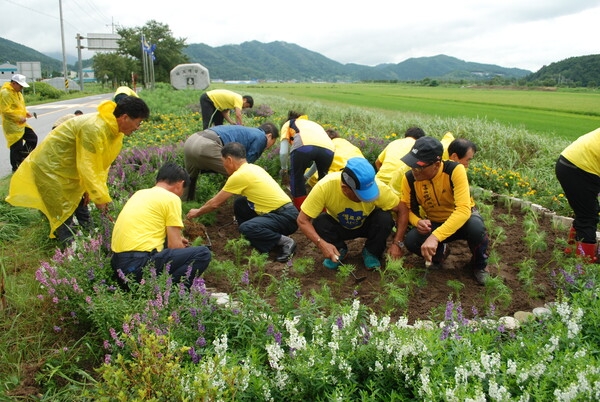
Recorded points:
(421,168)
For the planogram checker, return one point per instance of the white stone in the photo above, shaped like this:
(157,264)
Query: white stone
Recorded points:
(523,316)
(539,311)
(509,323)
(190,76)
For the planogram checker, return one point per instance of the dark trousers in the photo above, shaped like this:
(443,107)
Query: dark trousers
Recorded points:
(473,231)
(181,263)
(210,115)
(581,189)
(22,148)
(264,231)
(302,159)
(64,232)
(376,228)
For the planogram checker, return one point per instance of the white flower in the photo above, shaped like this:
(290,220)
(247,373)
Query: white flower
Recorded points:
(498,393)
(511,367)
(275,353)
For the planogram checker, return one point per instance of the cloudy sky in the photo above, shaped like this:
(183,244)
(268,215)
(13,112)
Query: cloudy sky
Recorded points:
(525,34)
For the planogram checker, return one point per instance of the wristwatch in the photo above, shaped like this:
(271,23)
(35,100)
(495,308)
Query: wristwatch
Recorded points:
(400,244)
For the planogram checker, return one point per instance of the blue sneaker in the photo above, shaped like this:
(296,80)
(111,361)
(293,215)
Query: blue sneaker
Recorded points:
(329,264)
(371,262)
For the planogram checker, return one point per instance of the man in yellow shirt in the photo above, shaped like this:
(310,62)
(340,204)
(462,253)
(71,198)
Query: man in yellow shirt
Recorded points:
(149,219)
(344,150)
(389,161)
(303,142)
(264,212)
(441,189)
(20,137)
(578,172)
(356,205)
(215,106)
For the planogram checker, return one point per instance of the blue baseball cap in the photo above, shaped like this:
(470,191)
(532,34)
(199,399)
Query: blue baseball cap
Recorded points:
(359,175)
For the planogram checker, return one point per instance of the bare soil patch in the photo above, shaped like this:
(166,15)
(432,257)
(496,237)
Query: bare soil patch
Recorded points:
(427,301)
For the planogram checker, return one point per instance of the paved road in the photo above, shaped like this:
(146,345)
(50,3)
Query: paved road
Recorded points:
(47,114)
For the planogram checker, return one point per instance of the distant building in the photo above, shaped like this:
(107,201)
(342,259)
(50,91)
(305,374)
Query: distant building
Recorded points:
(88,75)
(7,70)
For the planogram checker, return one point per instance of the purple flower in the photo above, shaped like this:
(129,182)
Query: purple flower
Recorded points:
(340,323)
(194,356)
(245,278)
(449,310)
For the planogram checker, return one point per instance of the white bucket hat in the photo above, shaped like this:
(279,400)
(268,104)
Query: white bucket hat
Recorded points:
(20,79)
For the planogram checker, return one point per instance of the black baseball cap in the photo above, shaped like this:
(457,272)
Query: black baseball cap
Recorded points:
(425,151)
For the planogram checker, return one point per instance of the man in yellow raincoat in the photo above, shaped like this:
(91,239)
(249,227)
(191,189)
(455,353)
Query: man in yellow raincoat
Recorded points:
(74,160)
(122,92)
(20,137)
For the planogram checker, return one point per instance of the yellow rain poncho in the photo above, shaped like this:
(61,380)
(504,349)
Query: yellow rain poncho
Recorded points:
(126,91)
(73,159)
(12,108)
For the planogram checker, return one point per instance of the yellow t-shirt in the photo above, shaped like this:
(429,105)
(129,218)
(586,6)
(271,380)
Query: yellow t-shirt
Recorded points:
(224,99)
(143,221)
(309,133)
(390,158)
(328,194)
(257,185)
(584,152)
(446,140)
(344,150)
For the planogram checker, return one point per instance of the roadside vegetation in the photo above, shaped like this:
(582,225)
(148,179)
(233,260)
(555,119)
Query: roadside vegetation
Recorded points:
(68,333)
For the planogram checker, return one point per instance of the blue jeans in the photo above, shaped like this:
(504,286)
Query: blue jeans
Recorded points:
(196,259)
(264,231)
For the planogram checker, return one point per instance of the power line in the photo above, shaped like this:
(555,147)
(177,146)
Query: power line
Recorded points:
(12,3)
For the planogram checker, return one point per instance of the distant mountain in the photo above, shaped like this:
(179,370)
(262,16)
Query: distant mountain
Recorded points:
(12,52)
(285,61)
(582,71)
(282,61)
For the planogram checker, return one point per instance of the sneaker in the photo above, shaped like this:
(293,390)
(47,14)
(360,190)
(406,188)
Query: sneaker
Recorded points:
(287,250)
(371,262)
(481,276)
(329,264)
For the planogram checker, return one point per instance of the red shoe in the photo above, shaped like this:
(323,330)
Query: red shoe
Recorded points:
(571,240)
(589,251)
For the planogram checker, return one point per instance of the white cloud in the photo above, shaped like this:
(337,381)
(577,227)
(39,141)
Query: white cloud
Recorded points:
(510,33)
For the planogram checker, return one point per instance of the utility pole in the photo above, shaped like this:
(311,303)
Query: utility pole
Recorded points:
(64,52)
(79,47)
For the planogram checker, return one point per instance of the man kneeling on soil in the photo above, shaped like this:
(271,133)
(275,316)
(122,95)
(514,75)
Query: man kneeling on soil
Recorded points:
(147,218)
(264,212)
(356,205)
(441,189)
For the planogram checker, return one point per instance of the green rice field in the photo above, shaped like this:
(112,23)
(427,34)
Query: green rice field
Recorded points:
(566,114)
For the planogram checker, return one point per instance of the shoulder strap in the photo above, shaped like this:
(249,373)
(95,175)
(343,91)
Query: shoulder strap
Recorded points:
(447,169)
(414,205)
